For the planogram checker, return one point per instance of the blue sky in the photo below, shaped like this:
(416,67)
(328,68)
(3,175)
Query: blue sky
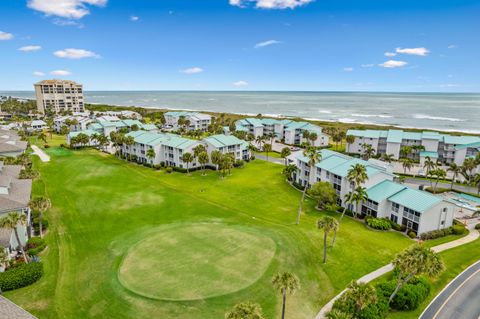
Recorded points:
(320,45)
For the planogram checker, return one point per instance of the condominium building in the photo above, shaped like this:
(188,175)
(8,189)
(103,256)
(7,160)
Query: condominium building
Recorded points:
(446,148)
(59,95)
(169,148)
(197,121)
(288,131)
(415,209)
(73,123)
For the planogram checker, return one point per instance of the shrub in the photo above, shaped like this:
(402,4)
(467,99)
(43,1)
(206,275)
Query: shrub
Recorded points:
(436,233)
(477,226)
(412,234)
(378,223)
(46,146)
(180,169)
(169,169)
(458,230)
(21,276)
(239,163)
(457,222)
(35,245)
(397,227)
(345,305)
(410,296)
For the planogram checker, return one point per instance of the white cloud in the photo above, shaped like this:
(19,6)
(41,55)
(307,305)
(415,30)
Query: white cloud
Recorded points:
(30,48)
(450,85)
(266,43)
(70,9)
(75,54)
(134,18)
(390,54)
(348,69)
(271,4)
(413,51)
(369,65)
(61,72)
(240,83)
(452,46)
(193,70)
(38,73)
(391,64)
(5,36)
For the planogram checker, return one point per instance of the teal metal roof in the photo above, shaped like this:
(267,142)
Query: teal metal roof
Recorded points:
(414,199)
(221,140)
(130,123)
(395,136)
(179,142)
(471,145)
(269,121)
(412,136)
(450,139)
(364,133)
(86,132)
(254,121)
(384,190)
(342,169)
(429,154)
(431,135)
(149,127)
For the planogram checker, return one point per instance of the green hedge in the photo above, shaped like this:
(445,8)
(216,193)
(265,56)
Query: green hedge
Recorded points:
(35,245)
(379,223)
(409,297)
(21,276)
(457,229)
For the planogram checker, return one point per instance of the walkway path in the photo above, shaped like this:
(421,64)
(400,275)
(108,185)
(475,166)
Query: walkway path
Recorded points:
(473,235)
(40,153)
(463,188)
(270,159)
(11,311)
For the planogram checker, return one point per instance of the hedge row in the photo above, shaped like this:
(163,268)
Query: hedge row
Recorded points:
(453,230)
(21,276)
(379,223)
(409,297)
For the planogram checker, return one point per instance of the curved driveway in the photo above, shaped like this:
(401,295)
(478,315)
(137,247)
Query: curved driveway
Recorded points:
(460,299)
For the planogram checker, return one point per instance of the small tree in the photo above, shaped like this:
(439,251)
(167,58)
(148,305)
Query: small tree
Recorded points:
(151,155)
(327,224)
(324,193)
(289,170)
(203,160)
(245,310)
(12,221)
(187,158)
(286,283)
(267,148)
(285,153)
(40,205)
(416,260)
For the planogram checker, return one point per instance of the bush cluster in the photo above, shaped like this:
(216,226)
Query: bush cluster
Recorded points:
(21,276)
(239,163)
(409,297)
(347,307)
(412,234)
(458,229)
(477,226)
(378,223)
(169,170)
(35,245)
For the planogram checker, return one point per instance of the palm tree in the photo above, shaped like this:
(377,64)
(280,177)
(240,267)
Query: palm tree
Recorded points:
(200,148)
(337,138)
(129,141)
(349,139)
(3,259)
(245,310)
(429,165)
(289,170)
(328,224)
(405,151)
(362,293)
(312,137)
(456,170)
(267,148)
(368,151)
(151,154)
(357,175)
(306,135)
(285,153)
(203,160)
(187,158)
(215,157)
(467,169)
(388,157)
(439,174)
(40,205)
(407,164)
(476,182)
(285,283)
(12,221)
(313,158)
(42,137)
(259,139)
(414,261)
(358,196)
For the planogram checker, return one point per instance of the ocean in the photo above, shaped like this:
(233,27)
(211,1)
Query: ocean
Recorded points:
(438,111)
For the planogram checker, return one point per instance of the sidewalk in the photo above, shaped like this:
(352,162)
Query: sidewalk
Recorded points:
(473,235)
(43,156)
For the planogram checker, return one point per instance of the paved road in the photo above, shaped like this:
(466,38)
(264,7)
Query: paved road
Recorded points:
(460,299)
(425,182)
(473,235)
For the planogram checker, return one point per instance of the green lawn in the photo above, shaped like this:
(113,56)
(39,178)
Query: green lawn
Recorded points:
(270,154)
(104,208)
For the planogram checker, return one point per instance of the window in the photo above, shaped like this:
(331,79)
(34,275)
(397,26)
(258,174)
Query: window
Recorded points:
(395,207)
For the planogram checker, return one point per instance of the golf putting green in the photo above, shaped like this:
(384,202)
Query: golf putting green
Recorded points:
(196,261)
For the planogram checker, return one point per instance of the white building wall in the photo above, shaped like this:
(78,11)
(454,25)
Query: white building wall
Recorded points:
(394,149)
(437,217)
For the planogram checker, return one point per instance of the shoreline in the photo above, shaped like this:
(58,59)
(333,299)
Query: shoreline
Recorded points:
(319,121)
(347,123)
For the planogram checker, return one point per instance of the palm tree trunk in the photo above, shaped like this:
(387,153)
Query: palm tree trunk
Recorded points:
(40,224)
(325,247)
(20,245)
(400,283)
(284,302)
(301,204)
(334,237)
